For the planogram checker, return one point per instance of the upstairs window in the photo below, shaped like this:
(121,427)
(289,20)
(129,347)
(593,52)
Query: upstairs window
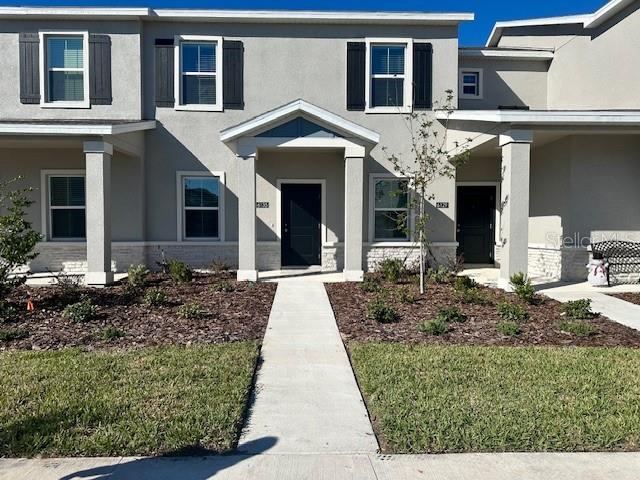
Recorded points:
(65,77)
(471,84)
(200,80)
(390,209)
(67,207)
(389,76)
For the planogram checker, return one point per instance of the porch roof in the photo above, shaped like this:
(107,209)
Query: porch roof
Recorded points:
(74,127)
(541,118)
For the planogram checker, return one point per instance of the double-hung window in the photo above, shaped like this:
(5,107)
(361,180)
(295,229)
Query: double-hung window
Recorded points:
(67,210)
(389,76)
(199,82)
(65,78)
(471,83)
(201,203)
(390,209)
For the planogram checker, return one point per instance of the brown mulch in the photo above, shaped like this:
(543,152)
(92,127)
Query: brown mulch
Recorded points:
(628,297)
(238,315)
(349,303)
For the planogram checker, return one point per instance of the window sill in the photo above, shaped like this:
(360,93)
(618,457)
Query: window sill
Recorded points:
(388,110)
(85,105)
(199,108)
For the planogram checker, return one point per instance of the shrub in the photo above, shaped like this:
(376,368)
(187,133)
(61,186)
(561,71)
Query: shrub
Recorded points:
(522,288)
(512,312)
(190,310)
(437,326)
(440,275)
(81,311)
(180,272)
(155,297)
(137,275)
(371,284)
(111,333)
(223,286)
(578,328)
(391,269)
(518,279)
(220,266)
(473,295)
(405,295)
(578,309)
(9,334)
(509,328)
(68,287)
(451,314)
(464,283)
(379,311)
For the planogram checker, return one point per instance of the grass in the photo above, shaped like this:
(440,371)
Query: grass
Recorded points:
(138,402)
(489,399)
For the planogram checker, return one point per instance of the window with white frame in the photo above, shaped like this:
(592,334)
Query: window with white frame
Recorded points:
(201,206)
(471,83)
(200,76)
(67,208)
(390,209)
(66,79)
(388,75)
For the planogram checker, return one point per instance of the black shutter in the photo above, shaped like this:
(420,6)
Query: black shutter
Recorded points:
(100,70)
(356,58)
(233,75)
(29,68)
(164,73)
(422,75)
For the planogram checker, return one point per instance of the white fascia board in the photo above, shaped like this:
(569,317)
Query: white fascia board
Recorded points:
(278,16)
(77,129)
(606,12)
(74,12)
(506,54)
(544,117)
(499,27)
(286,112)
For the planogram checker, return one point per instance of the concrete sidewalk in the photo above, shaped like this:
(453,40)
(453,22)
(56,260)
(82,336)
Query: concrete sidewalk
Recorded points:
(306,396)
(500,466)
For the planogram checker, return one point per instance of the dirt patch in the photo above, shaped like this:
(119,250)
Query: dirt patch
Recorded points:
(349,302)
(627,297)
(225,316)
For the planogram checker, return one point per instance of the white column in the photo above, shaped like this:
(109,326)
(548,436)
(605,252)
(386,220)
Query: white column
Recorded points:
(514,228)
(247,269)
(353,213)
(98,212)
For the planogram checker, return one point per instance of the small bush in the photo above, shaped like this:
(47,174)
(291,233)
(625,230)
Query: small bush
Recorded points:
(190,310)
(9,334)
(180,272)
(137,275)
(578,309)
(379,311)
(473,296)
(220,266)
(371,284)
(509,328)
(578,328)
(522,288)
(451,314)
(436,326)
(68,287)
(111,333)
(518,279)
(80,312)
(512,312)
(405,295)
(155,297)
(440,275)
(224,286)
(464,283)
(391,269)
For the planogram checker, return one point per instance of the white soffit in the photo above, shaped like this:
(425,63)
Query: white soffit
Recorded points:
(507,54)
(79,128)
(525,117)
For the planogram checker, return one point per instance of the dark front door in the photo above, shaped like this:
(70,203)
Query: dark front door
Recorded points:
(476,223)
(301,210)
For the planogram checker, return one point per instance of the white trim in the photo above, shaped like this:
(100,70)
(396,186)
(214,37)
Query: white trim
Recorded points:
(408,75)
(180,236)
(498,215)
(372,210)
(323,201)
(249,146)
(545,117)
(44,69)
(507,54)
(70,12)
(77,129)
(177,81)
(408,244)
(480,86)
(45,211)
(287,112)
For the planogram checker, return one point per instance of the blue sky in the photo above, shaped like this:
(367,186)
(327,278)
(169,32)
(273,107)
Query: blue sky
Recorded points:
(487,11)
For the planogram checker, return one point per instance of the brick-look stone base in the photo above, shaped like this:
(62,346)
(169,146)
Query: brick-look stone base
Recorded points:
(373,255)
(333,258)
(555,264)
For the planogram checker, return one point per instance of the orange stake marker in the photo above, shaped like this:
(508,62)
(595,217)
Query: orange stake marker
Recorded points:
(30,306)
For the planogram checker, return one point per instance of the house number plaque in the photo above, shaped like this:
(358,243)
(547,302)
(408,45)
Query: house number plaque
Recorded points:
(262,205)
(442,204)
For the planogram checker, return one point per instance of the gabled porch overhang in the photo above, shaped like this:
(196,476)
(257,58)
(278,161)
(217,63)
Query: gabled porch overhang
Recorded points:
(304,126)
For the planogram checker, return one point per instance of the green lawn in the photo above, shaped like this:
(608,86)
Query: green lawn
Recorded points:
(136,402)
(488,399)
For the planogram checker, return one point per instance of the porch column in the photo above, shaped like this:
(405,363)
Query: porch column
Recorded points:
(98,212)
(516,160)
(353,212)
(247,269)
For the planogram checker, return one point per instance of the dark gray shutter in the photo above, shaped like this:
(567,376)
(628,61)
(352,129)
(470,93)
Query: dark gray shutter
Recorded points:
(100,70)
(29,68)
(164,73)
(422,75)
(356,58)
(233,75)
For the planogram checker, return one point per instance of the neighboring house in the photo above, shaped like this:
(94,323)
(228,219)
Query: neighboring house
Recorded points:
(255,137)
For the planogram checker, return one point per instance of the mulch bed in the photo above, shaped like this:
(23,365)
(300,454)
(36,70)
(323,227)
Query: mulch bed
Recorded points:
(349,303)
(237,315)
(628,297)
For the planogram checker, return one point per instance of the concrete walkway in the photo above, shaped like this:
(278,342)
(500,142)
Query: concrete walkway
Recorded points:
(307,398)
(499,466)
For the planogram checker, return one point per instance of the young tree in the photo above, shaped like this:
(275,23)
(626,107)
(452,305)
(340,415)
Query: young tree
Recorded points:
(429,160)
(17,238)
